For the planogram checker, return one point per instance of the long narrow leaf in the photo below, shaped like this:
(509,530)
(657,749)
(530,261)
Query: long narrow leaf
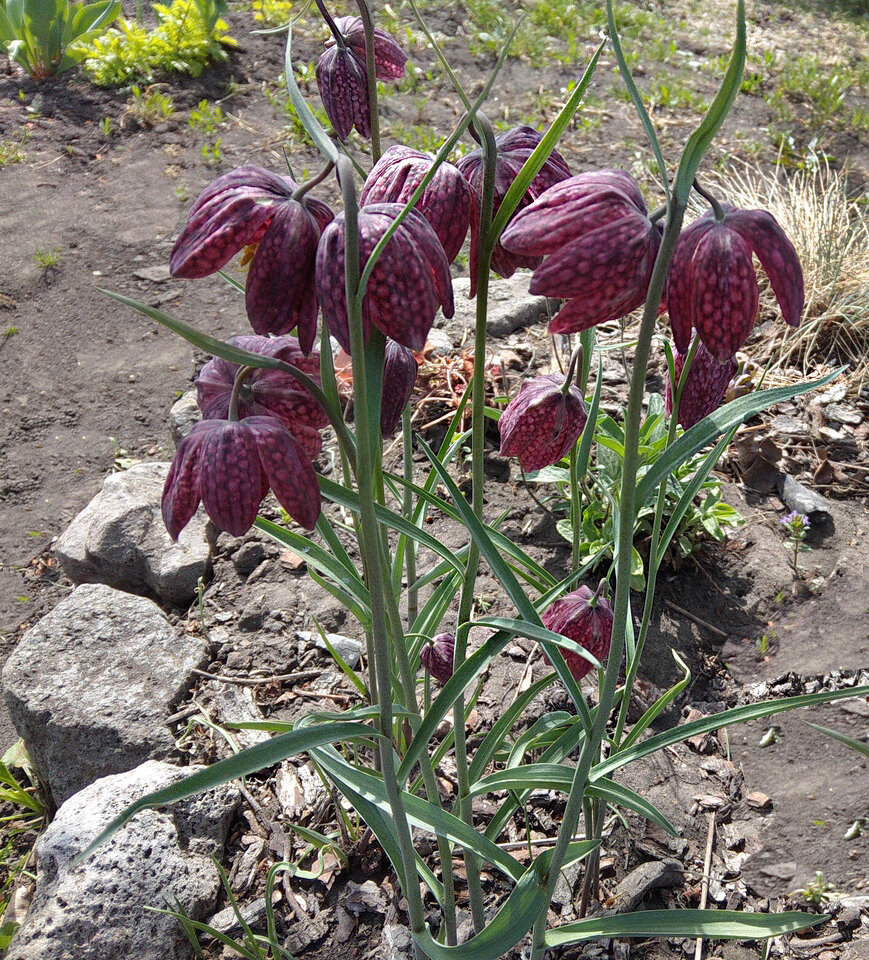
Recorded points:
(232,768)
(709,924)
(659,705)
(851,742)
(723,419)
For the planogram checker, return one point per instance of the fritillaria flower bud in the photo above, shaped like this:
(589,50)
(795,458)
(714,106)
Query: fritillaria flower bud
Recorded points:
(599,243)
(712,285)
(437,656)
(229,466)
(542,422)
(409,282)
(445,202)
(399,377)
(342,76)
(514,148)
(704,388)
(251,205)
(587,619)
(266,392)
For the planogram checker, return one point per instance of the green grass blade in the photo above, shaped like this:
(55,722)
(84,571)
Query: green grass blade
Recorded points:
(540,155)
(723,419)
(659,705)
(851,742)
(709,924)
(698,142)
(727,718)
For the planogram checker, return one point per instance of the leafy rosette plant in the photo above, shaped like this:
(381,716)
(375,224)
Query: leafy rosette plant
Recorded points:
(513,149)
(599,246)
(410,281)
(381,273)
(251,206)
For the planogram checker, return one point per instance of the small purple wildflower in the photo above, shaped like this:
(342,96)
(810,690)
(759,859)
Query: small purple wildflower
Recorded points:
(437,656)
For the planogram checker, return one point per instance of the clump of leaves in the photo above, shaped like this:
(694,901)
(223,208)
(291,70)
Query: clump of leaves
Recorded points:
(190,34)
(706,515)
(45,37)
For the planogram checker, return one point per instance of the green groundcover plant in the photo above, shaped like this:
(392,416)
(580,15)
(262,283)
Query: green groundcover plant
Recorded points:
(378,272)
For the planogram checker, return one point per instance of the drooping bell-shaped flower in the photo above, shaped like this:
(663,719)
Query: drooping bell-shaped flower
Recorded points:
(267,392)
(599,247)
(399,377)
(514,148)
(704,388)
(251,205)
(229,467)
(410,280)
(712,284)
(542,422)
(389,58)
(445,202)
(586,619)
(437,656)
(342,75)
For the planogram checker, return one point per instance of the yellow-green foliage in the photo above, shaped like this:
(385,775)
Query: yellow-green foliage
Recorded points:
(272,13)
(186,39)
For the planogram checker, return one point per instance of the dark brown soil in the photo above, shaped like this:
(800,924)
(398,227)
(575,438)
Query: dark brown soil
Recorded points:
(87,383)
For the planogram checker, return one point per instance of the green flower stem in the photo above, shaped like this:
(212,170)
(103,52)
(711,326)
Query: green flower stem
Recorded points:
(621,609)
(652,574)
(478,426)
(237,384)
(375,573)
(368,27)
(717,212)
(575,508)
(410,545)
(330,23)
(310,184)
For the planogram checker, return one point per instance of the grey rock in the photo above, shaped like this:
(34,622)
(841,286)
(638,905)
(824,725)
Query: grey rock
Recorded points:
(644,878)
(183,416)
(252,913)
(397,942)
(120,539)
(511,306)
(348,649)
(89,687)
(803,500)
(159,273)
(98,911)
(841,413)
(439,343)
(248,557)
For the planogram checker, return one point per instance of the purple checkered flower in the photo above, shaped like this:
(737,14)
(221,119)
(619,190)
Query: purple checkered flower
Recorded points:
(267,392)
(409,282)
(399,377)
(705,387)
(445,202)
(712,285)
(229,466)
(253,206)
(585,618)
(437,656)
(599,247)
(514,148)
(342,75)
(542,422)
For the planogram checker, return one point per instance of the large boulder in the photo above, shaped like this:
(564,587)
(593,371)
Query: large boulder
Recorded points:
(161,858)
(90,687)
(120,539)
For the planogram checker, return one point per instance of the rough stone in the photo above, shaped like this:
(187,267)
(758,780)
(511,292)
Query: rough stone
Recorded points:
(119,539)
(98,911)
(511,307)
(803,499)
(183,416)
(90,686)
(348,649)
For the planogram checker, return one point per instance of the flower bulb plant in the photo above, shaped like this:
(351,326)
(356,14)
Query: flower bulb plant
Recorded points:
(378,272)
